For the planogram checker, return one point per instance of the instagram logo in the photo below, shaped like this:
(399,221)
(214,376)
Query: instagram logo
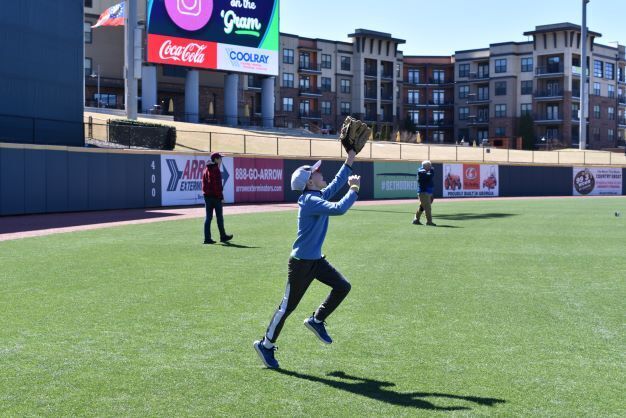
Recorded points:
(189,14)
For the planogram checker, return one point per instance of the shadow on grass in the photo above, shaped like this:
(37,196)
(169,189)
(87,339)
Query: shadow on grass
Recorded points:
(378,390)
(233,245)
(472,216)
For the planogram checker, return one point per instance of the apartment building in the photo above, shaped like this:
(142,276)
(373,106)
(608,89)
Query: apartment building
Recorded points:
(322,81)
(541,78)
(428,96)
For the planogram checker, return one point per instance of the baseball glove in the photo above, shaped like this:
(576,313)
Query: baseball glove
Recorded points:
(354,134)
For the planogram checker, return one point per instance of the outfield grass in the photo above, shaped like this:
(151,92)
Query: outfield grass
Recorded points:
(508,308)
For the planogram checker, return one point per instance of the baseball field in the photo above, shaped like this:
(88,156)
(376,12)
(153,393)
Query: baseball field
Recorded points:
(506,308)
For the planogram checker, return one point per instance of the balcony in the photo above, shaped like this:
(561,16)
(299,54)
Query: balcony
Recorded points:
(309,67)
(386,96)
(621,122)
(549,94)
(440,123)
(621,80)
(387,76)
(310,114)
(371,72)
(310,91)
(439,81)
(478,120)
(474,99)
(549,70)
(479,76)
(548,119)
(621,100)
(370,95)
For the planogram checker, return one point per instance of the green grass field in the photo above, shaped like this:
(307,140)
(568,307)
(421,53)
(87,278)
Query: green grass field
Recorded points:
(508,308)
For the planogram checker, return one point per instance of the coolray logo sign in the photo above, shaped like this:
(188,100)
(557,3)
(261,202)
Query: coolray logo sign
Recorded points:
(237,56)
(246,59)
(189,15)
(175,175)
(179,51)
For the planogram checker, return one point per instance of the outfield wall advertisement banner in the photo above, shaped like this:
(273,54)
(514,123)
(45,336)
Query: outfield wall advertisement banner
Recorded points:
(181,182)
(470,180)
(395,180)
(590,181)
(259,180)
(230,35)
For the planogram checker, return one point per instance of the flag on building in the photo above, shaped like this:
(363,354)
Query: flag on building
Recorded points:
(113,16)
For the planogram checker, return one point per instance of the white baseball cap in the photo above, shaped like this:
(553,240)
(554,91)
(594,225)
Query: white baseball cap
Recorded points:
(302,175)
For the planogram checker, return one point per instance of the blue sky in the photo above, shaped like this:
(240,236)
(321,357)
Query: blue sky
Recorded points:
(440,27)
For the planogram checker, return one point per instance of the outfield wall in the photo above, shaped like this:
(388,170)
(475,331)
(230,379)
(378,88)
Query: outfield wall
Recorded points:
(42,179)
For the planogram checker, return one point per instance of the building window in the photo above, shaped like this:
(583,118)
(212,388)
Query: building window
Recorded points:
(288,80)
(500,111)
(345,63)
(88,3)
(552,112)
(527,64)
(609,71)
(501,65)
(414,116)
(526,109)
(288,56)
(463,92)
(326,84)
(438,97)
(438,136)
(305,82)
(611,92)
(597,68)
(483,70)
(595,134)
(326,107)
(439,76)
(526,87)
(596,111)
(87,31)
(611,112)
(304,60)
(414,76)
(413,97)
(596,88)
(500,88)
(345,108)
(345,86)
(463,113)
(106,100)
(500,131)
(611,135)
(483,93)
(464,70)
(288,104)
(87,66)
(326,61)
(438,116)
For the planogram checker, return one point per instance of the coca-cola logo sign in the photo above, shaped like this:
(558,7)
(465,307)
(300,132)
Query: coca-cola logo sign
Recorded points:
(188,53)
(179,51)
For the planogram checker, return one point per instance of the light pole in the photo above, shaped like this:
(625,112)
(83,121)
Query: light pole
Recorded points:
(582,126)
(98,88)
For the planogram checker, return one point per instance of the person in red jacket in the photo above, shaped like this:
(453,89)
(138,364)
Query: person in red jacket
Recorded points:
(213,198)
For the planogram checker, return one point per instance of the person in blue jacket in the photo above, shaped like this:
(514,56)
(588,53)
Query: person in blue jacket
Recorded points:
(307,261)
(425,189)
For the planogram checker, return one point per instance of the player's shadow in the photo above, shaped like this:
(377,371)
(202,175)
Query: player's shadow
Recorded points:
(472,216)
(234,245)
(379,391)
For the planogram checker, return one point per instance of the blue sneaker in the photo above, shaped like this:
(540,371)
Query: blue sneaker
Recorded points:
(318,329)
(266,354)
